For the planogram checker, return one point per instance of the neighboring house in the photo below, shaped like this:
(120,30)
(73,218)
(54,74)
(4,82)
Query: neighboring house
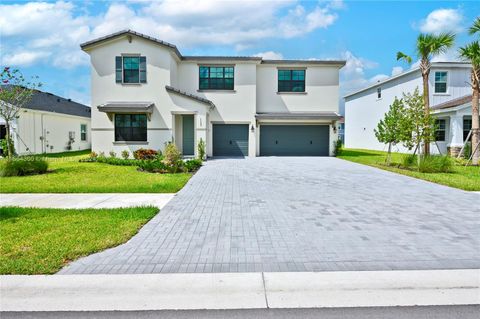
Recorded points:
(50,124)
(145,94)
(450,101)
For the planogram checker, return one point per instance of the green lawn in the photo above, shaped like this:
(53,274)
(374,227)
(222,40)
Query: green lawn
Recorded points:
(67,175)
(467,178)
(41,241)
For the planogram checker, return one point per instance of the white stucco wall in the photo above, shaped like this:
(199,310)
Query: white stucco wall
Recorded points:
(32,125)
(364,110)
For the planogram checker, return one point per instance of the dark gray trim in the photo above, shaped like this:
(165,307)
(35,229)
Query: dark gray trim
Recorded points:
(102,129)
(130,143)
(306,62)
(189,95)
(126,107)
(298,116)
(453,103)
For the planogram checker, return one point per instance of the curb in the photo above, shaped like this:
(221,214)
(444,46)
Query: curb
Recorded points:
(239,290)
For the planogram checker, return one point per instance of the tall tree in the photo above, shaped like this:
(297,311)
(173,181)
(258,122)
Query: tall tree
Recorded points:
(428,46)
(391,130)
(15,93)
(475,28)
(471,53)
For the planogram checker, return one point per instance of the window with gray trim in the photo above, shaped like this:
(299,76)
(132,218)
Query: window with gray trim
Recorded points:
(291,80)
(83,132)
(131,69)
(130,127)
(216,77)
(440,130)
(467,126)
(379,93)
(441,81)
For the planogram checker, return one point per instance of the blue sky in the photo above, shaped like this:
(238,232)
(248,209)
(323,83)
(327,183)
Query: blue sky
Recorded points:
(42,38)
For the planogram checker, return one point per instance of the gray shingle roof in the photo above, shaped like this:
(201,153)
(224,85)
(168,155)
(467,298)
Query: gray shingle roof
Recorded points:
(173,47)
(45,101)
(189,95)
(453,103)
(298,116)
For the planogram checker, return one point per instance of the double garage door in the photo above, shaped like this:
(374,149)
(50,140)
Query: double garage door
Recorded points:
(275,140)
(294,140)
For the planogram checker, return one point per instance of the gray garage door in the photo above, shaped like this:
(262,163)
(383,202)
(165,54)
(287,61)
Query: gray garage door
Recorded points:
(294,140)
(230,139)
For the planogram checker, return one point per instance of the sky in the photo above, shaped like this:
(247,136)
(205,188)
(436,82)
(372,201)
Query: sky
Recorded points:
(43,37)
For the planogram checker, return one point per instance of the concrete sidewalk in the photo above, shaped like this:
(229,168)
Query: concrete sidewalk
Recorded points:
(239,290)
(85,200)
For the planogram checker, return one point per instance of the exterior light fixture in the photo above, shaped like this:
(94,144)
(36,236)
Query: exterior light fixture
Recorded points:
(252,129)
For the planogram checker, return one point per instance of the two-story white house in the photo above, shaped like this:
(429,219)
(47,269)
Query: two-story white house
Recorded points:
(450,101)
(145,94)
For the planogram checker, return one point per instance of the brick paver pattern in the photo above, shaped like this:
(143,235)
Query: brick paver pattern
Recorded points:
(300,214)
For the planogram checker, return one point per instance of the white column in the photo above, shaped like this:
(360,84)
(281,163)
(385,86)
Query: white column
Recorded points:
(456,131)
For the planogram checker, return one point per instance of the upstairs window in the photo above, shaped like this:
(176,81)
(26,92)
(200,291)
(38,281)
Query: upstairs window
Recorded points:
(379,93)
(441,82)
(131,69)
(467,126)
(216,78)
(83,132)
(130,127)
(291,80)
(440,129)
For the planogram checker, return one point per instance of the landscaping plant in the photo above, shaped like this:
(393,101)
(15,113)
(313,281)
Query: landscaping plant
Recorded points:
(125,154)
(435,164)
(427,47)
(23,166)
(112,154)
(337,147)
(471,53)
(201,149)
(192,165)
(145,154)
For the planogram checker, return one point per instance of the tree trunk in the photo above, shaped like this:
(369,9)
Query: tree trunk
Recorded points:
(475,124)
(389,154)
(8,138)
(425,69)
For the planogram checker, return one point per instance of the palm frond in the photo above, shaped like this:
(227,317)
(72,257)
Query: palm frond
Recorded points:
(471,53)
(475,28)
(404,57)
(429,45)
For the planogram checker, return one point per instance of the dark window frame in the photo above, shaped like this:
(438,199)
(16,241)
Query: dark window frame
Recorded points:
(129,133)
(445,83)
(440,130)
(467,122)
(83,133)
(379,93)
(206,83)
(289,85)
(140,72)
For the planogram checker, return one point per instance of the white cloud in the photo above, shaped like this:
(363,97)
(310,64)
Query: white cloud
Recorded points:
(396,70)
(270,55)
(442,20)
(24,58)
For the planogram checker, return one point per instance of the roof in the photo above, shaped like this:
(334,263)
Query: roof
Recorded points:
(49,102)
(121,107)
(298,116)
(189,95)
(453,103)
(434,64)
(86,45)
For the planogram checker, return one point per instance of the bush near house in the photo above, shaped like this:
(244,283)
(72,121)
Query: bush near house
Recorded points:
(22,166)
(145,154)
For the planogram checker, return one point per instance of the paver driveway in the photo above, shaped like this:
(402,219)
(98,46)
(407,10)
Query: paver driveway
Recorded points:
(301,214)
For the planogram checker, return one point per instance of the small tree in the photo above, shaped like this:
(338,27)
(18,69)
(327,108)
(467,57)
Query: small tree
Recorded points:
(419,125)
(15,93)
(201,149)
(392,129)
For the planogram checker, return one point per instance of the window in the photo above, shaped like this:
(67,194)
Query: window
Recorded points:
(441,82)
(440,129)
(131,69)
(216,78)
(467,126)
(131,127)
(83,132)
(379,93)
(291,80)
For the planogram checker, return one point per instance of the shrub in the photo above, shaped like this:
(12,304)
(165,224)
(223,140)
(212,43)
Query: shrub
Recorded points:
(337,147)
(467,150)
(435,164)
(125,154)
(409,160)
(153,166)
(112,154)
(22,166)
(171,155)
(4,147)
(144,154)
(93,155)
(192,165)
(201,149)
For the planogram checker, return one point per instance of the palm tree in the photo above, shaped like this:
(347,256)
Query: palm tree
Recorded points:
(475,28)
(471,53)
(428,46)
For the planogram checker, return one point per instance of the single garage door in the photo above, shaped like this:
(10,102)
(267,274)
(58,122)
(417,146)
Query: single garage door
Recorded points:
(230,139)
(294,140)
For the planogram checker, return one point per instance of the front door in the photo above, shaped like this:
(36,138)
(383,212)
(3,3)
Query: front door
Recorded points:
(188,136)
